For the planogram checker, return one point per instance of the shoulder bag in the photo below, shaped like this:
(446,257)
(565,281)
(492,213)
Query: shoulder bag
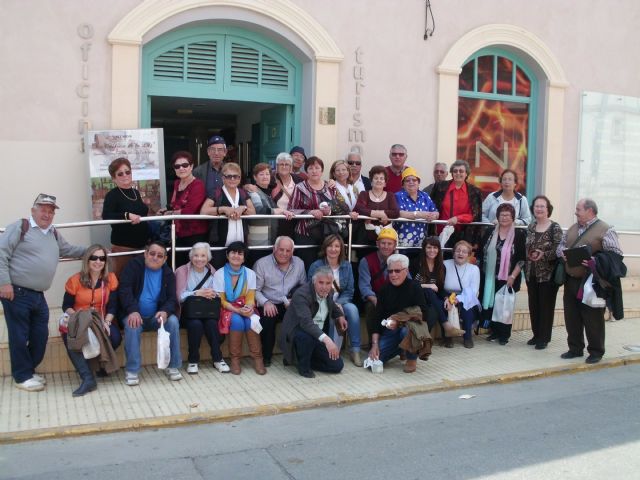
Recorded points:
(201,307)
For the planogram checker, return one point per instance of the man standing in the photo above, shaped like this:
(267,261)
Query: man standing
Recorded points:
(309,325)
(439,175)
(359,181)
(147,295)
(398,158)
(398,294)
(299,158)
(372,273)
(29,253)
(578,317)
(210,172)
(277,276)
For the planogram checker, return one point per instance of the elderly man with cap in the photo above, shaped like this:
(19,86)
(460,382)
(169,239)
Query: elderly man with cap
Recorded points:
(372,272)
(439,175)
(299,157)
(211,172)
(415,205)
(29,253)
(398,159)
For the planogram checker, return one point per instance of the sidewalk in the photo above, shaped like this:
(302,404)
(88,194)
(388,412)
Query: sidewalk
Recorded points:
(211,396)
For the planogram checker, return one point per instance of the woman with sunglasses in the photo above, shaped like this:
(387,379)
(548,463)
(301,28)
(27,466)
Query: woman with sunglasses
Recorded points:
(232,202)
(285,182)
(93,288)
(124,202)
(188,196)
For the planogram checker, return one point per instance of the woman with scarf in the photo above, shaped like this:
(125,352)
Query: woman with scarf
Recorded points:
(264,232)
(236,286)
(502,259)
(506,194)
(232,202)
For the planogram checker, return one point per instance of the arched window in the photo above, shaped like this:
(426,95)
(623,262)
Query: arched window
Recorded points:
(496,119)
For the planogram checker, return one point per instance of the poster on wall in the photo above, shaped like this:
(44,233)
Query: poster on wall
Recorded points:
(144,148)
(493,135)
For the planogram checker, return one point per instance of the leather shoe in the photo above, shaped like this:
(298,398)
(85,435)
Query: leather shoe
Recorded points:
(84,388)
(503,341)
(570,354)
(447,342)
(492,337)
(533,341)
(593,359)
(355,358)
(308,374)
(468,343)
(410,366)
(541,345)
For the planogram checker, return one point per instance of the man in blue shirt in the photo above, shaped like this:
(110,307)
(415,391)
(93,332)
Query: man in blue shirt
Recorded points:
(147,295)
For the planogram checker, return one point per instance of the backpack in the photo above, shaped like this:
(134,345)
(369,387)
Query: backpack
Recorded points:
(24,228)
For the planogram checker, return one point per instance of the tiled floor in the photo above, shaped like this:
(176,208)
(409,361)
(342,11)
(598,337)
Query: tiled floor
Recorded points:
(211,395)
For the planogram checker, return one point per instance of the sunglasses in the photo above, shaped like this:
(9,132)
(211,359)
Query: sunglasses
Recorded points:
(396,270)
(178,166)
(123,173)
(439,171)
(398,154)
(232,177)
(352,162)
(158,255)
(98,258)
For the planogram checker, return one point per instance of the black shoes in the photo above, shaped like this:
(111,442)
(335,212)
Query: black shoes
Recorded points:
(468,343)
(591,359)
(84,388)
(308,374)
(492,337)
(570,354)
(541,345)
(533,341)
(503,341)
(447,342)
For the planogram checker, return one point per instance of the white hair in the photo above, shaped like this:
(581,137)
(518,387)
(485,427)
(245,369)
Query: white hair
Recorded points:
(284,157)
(201,246)
(398,258)
(323,271)
(280,239)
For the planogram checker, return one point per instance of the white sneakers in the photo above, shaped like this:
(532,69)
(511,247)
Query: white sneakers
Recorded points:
(31,385)
(174,374)
(131,379)
(221,366)
(192,368)
(39,378)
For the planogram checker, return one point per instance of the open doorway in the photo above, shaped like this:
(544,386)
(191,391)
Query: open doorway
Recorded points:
(254,131)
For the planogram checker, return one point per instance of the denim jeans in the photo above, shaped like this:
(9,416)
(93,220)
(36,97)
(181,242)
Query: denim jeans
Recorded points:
(27,317)
(132,341)
(389,342)
(353,321)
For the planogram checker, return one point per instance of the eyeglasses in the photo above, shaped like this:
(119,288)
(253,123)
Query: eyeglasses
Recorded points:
(353,162)
(98,258)
(232,177)
(411,180)
(397,154)
(216,150)
(439,171)
(459,170)
(395,270)
(158,255)
(283,165)
(123,173)
(178,166)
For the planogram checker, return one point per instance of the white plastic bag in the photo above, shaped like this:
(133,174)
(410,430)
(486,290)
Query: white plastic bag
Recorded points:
(376,365)
(91,349)
(504,305)
(589,297)
(453,317)
(164,350)
(445,234)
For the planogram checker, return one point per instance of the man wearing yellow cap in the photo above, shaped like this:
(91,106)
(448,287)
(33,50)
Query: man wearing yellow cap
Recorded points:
(372,272)
(414,204)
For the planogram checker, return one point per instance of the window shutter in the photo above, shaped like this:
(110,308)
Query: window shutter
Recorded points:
(201,62)
(169,65)
(245,65)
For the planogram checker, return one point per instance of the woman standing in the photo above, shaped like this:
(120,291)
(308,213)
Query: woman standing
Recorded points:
(125,203)
(332,254)
(236,286)
(264,232)
(195,279)
(377,203)
(187,199)
(507,194)
(543,238)
(431,274)
(311,196)
(502,259)
(233,203)
(463,279)
(285,183)
(93,288)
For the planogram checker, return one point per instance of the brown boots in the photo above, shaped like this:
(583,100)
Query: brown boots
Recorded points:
(255,348)
(235,351)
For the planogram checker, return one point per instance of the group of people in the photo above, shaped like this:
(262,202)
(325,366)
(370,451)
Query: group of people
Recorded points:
(317,295)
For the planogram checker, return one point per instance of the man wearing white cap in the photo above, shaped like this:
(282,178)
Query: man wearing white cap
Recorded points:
(29,253)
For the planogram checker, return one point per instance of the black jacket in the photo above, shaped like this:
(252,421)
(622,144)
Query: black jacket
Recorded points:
(609,270)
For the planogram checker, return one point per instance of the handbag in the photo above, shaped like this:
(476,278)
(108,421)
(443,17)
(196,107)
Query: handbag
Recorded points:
(504,306)
(559,274)
(200,307)
(224,322)
(91,349)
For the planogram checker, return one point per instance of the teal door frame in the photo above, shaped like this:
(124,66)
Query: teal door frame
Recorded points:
(532,101)
(224,84)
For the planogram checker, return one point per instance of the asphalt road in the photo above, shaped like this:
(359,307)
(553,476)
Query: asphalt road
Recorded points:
(579,426)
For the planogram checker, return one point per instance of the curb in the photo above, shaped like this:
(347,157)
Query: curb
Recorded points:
(328,401)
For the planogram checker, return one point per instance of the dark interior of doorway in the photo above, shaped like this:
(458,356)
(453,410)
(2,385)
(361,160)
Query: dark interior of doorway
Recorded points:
(188,123)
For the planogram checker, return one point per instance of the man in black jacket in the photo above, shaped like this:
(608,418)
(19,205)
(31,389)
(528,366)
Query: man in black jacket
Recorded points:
(147,295)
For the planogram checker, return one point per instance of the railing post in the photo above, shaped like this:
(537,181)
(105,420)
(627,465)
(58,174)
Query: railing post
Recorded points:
(173,245)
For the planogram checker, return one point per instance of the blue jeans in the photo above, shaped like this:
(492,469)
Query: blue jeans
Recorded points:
(132,341)
(389,342)
(240,323)
(353,321)
(27,317)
